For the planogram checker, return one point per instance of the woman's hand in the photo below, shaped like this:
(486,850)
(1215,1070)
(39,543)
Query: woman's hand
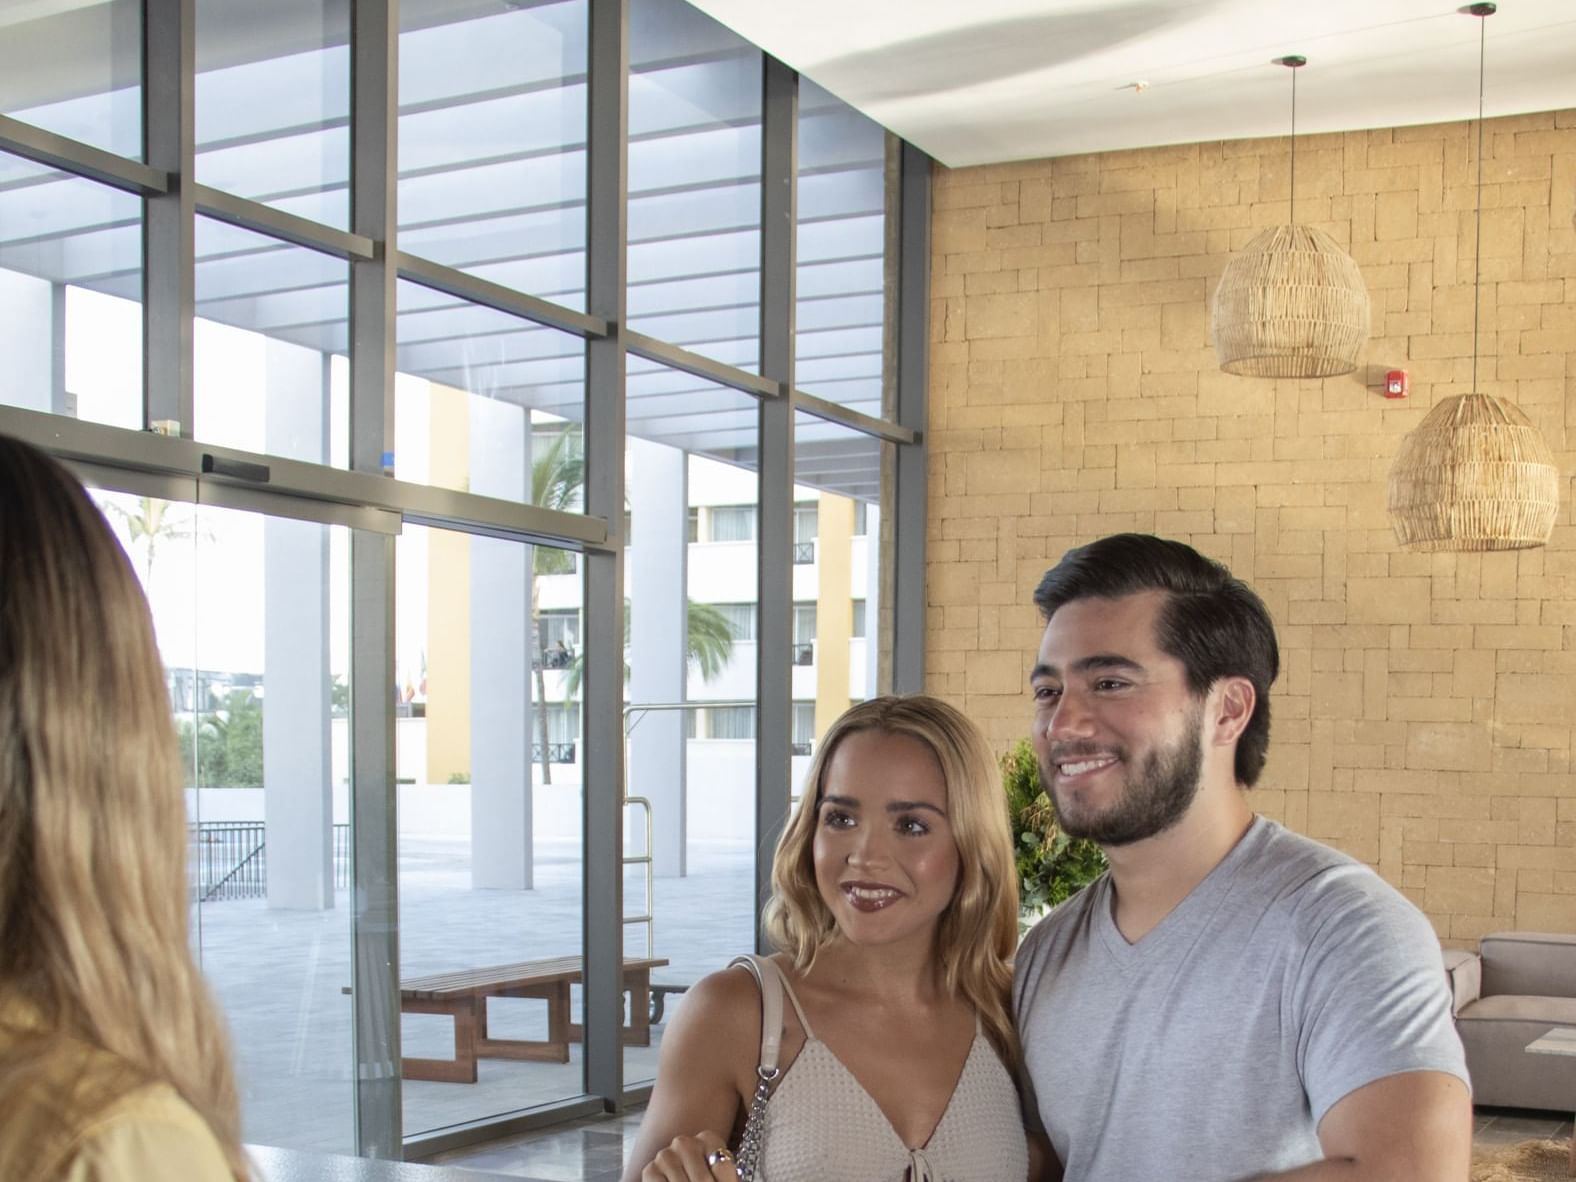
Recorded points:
(702,1158)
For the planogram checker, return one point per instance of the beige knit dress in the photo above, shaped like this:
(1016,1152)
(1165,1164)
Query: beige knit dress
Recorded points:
(822,1124)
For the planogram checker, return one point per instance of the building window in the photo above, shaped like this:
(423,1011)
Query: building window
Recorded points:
(694,524)
(803,728)
(731,722)
(804,634)
(861,524)
(806,522)
(560,637)
(733,523)
(691,717)
(806,526)
(740,617)
(858,630)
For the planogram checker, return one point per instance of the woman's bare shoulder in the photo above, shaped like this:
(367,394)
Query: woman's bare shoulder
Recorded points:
(725,1002)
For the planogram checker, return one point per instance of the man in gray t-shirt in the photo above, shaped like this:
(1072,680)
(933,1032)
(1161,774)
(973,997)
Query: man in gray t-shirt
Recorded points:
(1231,1000)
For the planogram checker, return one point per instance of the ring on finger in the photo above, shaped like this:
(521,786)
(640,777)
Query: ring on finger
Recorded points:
(717,1156)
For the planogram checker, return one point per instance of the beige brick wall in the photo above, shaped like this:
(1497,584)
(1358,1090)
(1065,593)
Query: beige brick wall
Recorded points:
(1426,706)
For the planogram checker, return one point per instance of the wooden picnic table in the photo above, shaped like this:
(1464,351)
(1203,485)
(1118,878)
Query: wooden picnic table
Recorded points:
(463,995)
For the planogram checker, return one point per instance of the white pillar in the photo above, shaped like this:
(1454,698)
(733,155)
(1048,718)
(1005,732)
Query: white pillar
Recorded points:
(872,598)
(298,802)
(26,337)
(657,555)
(502,718)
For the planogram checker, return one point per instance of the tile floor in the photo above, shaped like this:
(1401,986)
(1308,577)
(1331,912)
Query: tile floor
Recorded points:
(593,1150)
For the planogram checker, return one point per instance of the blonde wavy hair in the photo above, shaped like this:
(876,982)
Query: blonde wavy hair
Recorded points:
(93,910)
(978,931)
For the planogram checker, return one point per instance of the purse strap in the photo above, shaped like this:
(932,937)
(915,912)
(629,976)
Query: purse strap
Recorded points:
(771,987)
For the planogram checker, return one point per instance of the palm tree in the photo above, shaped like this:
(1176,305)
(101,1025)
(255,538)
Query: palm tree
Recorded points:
(557,480)
(150,523)
(708,643)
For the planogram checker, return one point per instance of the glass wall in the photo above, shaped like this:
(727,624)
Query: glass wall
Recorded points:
(70,295)
(839,317)
(75,70)
(476,680)
(251,614)
(690,712)
(490,866)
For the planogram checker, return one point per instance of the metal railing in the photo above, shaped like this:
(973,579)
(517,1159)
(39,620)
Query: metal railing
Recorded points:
(803,553)
(803,748)
(556,753)
(804,654)
(230,860)
(633,713)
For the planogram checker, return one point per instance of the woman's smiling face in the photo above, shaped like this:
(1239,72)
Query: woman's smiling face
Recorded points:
(886,862)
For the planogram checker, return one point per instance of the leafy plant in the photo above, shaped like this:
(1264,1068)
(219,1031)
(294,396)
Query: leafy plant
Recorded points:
(225,748)
(1051,865)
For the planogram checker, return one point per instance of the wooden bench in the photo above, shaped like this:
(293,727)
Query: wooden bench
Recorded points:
(463,996)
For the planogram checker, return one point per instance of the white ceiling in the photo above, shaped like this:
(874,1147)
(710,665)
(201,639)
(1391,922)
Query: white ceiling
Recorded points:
(993,80)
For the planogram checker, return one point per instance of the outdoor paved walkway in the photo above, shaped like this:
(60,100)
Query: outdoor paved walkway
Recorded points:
(278,975)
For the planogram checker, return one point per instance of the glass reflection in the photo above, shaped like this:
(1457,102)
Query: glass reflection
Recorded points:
(75,69)
(690,718)
(840,310)
(273,105)
(694,182)
(492,132)
(70,295)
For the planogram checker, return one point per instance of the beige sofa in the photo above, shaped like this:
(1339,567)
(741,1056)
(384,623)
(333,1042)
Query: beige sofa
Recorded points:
(1507,994)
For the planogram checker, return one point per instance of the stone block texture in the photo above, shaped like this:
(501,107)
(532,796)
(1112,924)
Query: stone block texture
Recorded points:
(1427,703)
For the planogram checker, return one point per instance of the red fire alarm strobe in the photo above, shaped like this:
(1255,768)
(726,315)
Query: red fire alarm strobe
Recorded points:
(1395,384)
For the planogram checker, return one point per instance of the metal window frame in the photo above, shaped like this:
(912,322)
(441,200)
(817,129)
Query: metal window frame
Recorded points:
(774,496)
(602,692)
(374,506)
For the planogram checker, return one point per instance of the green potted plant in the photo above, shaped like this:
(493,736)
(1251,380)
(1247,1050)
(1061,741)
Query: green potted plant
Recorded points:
(1051,865)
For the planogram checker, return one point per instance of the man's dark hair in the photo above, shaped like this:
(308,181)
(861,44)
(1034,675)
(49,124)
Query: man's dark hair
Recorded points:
(1211,621)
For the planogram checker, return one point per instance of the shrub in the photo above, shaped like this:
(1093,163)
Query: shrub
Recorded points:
(1051,866)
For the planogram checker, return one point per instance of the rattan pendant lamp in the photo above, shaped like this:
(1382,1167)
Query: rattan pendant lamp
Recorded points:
(1292,304)
(1475,474)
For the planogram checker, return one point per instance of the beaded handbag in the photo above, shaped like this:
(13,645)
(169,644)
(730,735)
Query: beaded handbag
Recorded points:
(751,1141)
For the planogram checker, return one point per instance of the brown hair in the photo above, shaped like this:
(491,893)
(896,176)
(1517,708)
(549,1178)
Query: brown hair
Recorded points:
(93,912)
(978,931)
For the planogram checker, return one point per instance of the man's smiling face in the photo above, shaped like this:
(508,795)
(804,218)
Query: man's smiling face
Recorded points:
(1116,730)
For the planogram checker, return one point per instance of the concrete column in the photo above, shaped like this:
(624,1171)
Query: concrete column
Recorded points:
(502,717)
(26,335)
(657,558)
(872,600)
(834,611)
(448,654)
(298,801)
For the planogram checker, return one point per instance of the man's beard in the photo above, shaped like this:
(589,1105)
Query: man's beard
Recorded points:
(1153,799)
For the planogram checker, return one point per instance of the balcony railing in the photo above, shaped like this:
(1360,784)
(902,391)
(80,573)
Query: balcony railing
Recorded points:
(803,748)
(804,654)
(556,753)
(803,553)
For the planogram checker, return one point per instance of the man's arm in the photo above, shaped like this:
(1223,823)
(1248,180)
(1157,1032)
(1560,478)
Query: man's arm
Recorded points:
(1412,1127)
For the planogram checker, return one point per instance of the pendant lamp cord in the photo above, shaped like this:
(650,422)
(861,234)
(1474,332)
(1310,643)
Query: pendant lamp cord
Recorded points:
(1477,257)
(1293,217)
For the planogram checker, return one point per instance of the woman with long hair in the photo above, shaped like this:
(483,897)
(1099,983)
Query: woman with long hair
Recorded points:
(113,1063)
(894,912)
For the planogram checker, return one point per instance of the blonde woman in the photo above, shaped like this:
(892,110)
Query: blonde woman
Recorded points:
(895,910)
(112,1062)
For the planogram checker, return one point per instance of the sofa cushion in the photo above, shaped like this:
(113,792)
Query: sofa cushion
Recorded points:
(1542,1012)
(1495,1032)
(1529,963)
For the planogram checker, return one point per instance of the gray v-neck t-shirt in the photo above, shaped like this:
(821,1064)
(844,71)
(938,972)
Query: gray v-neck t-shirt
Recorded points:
(1211,1049)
